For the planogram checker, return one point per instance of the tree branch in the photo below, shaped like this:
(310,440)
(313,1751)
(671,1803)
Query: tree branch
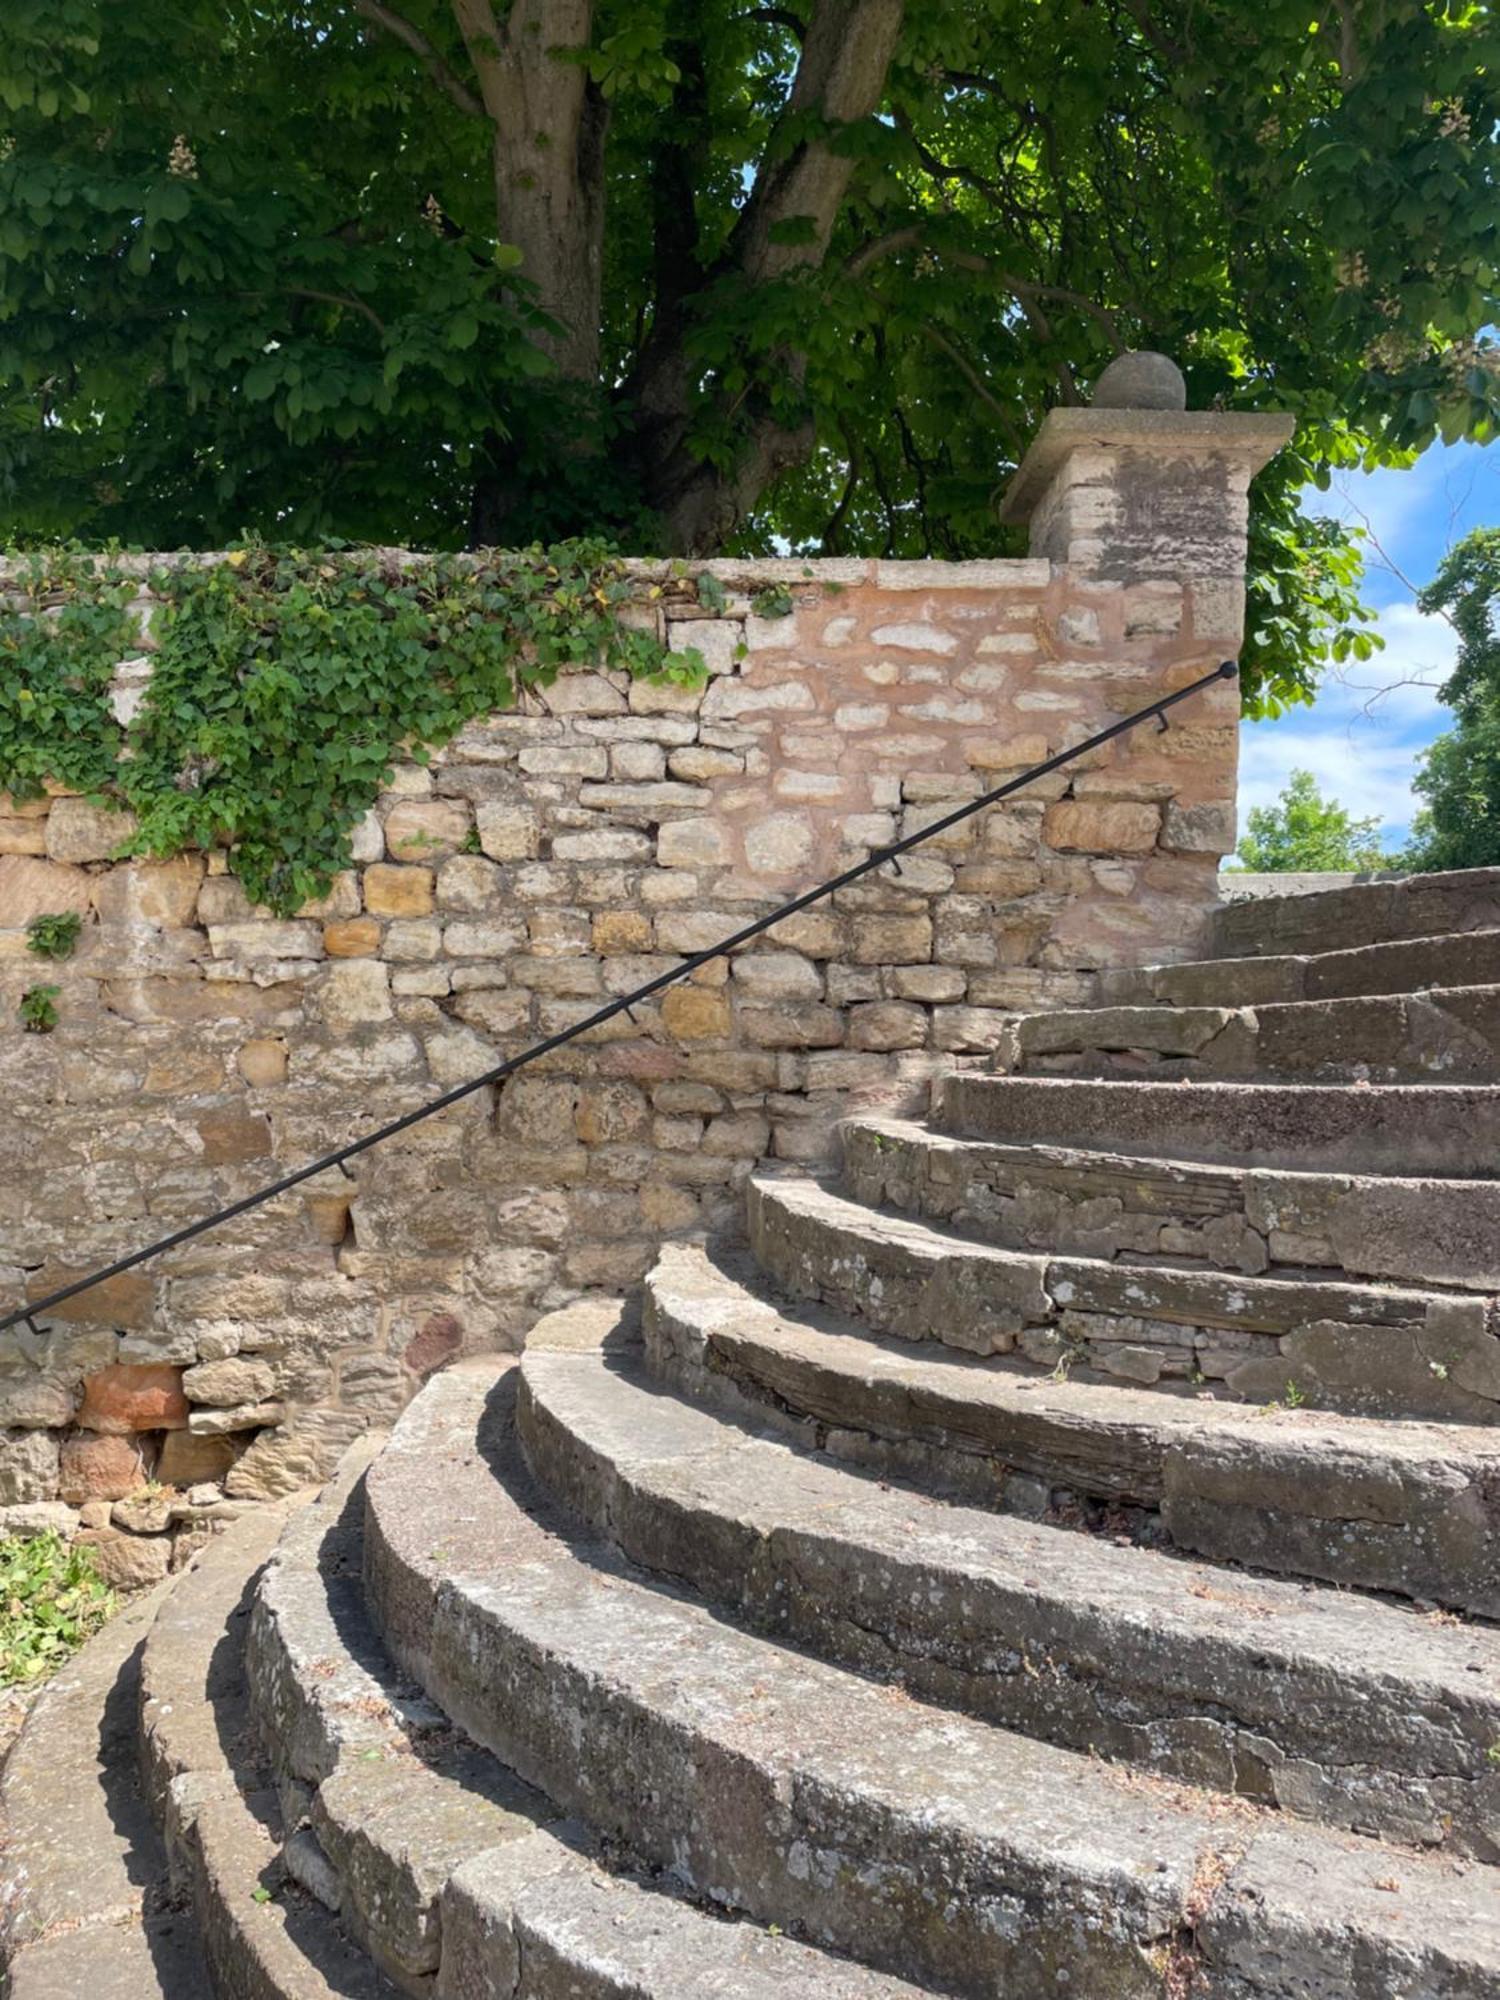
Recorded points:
(406,31)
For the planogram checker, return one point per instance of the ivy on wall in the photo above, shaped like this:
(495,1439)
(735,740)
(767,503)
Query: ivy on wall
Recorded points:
(285,684)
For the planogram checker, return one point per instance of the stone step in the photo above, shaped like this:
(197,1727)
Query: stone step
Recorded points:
(457,1877)
(1252,1219)
(937,1846)
(1373,1350)
(1450,1034)
(1328,1704)
(1411,1509)
(263,1937)
(1451,1130)
(1410,906)
(85,1906)
(1407,965)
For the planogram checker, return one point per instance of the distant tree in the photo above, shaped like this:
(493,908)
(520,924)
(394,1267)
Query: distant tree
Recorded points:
(1460,775)
(1304,831)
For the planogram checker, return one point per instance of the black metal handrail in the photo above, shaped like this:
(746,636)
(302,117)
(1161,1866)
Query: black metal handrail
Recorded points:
(877,858)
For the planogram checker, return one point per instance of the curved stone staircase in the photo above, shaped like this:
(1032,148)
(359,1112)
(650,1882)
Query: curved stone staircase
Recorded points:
(1057,1557)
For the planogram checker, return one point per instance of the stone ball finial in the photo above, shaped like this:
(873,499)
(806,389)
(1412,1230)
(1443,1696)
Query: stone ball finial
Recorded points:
(1141,380)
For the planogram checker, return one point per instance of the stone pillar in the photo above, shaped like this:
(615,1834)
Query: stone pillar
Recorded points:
(1131,494)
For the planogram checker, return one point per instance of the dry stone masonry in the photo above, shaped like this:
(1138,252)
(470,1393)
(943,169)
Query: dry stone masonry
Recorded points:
(541,863)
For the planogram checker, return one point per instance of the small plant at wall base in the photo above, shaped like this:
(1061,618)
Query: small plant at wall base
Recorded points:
(51,1600)
(286,684)
(54,934)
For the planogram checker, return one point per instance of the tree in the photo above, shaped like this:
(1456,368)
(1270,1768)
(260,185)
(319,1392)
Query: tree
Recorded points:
(1305,831)
(714,274)
(1459,827)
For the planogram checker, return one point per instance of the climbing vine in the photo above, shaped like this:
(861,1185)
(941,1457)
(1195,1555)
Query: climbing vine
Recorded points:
(285,684)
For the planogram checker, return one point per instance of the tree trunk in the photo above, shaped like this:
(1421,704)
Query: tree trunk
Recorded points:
(549,122)
(846,55)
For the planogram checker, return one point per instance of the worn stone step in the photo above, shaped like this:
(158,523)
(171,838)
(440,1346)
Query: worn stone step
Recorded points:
(933,1844)
(263,1937)
(1406,965)
(1408,1508)
(460,1879)
(1451,1130)
(85,1905)
(1087,1203)
(1449,1034)
(1362,913)
(1331,1705)
(1375,1350)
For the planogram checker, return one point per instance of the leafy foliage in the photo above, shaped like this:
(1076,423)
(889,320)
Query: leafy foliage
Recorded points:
(282,269)
(61,634)
(38,1009)
(285,684)
(51,1600)
(1305,831)
(54,934)
(1459,827)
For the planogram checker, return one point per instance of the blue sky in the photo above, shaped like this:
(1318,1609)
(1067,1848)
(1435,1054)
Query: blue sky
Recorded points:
(1371,718)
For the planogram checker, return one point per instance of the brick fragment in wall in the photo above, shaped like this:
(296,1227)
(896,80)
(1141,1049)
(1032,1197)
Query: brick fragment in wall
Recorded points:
(633,825)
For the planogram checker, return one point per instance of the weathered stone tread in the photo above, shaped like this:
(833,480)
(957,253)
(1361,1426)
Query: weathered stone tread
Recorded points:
(1367,1349)
(1451,1130)
(263,1937)
(933,1844)
(1095,1202)
(84,1906)
(1406,965)
(1333,1705)
(1443,1034)
(1356,914)
(1410,1508)
(442,1862)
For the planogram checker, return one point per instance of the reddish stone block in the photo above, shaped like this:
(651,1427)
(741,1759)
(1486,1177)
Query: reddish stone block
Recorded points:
(143,1396)
(102,1468)
(437,1340)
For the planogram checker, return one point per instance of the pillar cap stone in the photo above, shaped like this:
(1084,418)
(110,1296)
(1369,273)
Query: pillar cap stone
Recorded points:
(1249,439)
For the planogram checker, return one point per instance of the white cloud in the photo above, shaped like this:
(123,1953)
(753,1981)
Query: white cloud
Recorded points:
(1362,738)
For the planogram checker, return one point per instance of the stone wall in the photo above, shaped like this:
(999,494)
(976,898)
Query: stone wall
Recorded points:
(544,861)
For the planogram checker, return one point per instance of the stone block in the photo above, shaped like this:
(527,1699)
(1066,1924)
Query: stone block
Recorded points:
(693,843)
(128,1562)
(28,1466)
(1201,829)
(695,1013)
(397,890)
(352,937)
(188,1460)
(777,975)
(239,1378)
(31,888)
(888,1024)
(615,932)
(78,831)
(91,1467)
(262,1063)
(133,1396)
(355,993)
(163,894)
(779,844)
(1100,826)
(892,940)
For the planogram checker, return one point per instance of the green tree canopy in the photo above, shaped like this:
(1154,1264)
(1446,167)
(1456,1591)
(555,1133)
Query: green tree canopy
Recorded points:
(1305,831)
(712,274)
(1459,827)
